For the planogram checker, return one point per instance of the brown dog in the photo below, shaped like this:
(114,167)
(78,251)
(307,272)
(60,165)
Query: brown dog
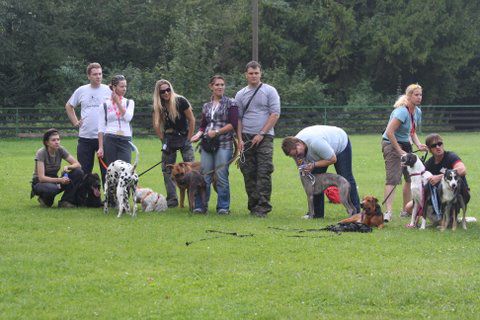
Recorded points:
(179,170)
(371,214)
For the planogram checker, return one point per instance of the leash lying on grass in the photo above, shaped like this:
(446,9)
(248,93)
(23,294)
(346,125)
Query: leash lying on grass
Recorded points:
(224,233)
(337,228)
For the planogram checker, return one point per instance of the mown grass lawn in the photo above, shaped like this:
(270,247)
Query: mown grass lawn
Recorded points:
(81,264)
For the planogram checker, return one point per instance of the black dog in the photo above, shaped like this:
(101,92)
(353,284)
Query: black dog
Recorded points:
(88,192)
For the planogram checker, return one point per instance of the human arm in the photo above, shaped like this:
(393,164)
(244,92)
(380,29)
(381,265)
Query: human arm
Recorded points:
(191,122)
(45,179)
(201,130)
(269,124)
(393,126)
(72,116)
(73,164)
(416,141)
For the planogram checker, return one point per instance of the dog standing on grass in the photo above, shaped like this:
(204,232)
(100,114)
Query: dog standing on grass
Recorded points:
(419,179)
(454,197)
(179,170)
(314,184)
(120,183)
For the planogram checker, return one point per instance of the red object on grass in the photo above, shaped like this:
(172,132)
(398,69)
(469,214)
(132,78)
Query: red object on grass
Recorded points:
(332,194)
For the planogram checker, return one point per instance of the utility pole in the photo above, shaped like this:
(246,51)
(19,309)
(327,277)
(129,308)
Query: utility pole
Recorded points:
(255,30)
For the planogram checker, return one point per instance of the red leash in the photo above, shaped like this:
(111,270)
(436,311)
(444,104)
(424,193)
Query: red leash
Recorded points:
(102,163)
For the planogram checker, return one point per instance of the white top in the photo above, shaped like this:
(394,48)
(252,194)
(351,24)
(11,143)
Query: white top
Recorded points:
(89,99)
(323,141)
(116,123)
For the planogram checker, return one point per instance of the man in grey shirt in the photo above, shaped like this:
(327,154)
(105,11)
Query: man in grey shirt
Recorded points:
(318,147)
(259,110)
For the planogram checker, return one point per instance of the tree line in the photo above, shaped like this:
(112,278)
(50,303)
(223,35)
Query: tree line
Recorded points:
(315,52)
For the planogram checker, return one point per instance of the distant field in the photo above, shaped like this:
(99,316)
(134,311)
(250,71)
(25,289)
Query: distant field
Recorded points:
(81,264)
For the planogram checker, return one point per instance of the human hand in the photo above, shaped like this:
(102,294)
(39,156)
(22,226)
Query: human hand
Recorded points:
(196,136)
(211,134)
(100,152)
(257,139)
(66,169)
(422,147)
(64,180)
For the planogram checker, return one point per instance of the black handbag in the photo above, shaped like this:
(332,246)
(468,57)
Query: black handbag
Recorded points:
(209,145)
(175,141)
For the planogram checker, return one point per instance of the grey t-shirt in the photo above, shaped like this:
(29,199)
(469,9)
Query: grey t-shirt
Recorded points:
(52,163)
(323,141)
(90,100)
(264,103)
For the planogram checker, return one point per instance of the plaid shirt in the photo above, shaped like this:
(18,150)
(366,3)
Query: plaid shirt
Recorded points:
(226,112)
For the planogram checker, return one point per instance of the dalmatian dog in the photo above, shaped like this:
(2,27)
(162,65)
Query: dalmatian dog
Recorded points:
(150,200)
(121,183)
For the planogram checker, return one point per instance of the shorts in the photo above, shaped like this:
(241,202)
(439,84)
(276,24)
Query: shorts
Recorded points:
(393,167)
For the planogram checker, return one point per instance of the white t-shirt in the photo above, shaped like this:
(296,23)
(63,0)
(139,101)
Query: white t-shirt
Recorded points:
(90,100)
(323,141)
(118,125)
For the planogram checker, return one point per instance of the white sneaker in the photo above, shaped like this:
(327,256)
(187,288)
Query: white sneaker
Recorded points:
(467,219)
(307,216)
(387,216)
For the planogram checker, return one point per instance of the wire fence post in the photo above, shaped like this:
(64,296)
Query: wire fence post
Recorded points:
(17,122)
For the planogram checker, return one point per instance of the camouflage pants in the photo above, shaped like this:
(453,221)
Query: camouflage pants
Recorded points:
(170,158)
(257,173)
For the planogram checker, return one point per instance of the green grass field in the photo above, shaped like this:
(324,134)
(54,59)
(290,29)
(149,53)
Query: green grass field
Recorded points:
(82,264)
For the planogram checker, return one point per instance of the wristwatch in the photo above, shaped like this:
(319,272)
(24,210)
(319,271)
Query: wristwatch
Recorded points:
(217,132)
(262,133)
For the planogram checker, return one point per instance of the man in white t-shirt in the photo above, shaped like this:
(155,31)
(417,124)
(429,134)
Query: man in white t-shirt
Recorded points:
(90,98)
(318,147)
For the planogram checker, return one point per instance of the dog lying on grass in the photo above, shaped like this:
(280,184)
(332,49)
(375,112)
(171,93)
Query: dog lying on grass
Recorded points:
(150,200)
(371,213)
(88,192)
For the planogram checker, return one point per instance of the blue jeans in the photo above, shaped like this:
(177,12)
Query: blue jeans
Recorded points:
(343,167)
(210,161)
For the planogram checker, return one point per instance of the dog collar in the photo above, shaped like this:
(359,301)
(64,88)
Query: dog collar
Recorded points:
(145,196)
(417,174)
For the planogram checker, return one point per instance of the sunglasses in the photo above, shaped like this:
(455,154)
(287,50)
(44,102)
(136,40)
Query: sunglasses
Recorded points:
(438,144)
(165,91)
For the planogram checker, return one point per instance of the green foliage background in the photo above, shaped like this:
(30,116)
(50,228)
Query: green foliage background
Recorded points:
(316,52)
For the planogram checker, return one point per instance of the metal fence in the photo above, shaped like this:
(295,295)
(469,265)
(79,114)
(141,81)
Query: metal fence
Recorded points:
(32,122)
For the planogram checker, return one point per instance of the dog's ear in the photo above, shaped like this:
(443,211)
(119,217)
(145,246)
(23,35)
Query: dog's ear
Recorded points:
(375,200)
(378,210)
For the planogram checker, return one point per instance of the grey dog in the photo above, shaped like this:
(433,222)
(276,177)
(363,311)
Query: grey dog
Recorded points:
(315,184)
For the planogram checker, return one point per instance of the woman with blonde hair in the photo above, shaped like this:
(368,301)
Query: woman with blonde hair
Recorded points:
(397,140)
(174,124)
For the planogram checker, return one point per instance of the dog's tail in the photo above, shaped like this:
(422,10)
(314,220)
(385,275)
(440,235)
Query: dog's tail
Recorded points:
(134,148)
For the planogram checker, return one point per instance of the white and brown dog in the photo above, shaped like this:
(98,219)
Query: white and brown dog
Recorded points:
(419,179)
(120,183)
(150,200)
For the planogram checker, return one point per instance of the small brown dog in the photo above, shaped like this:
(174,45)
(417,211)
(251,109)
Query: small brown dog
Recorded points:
(179,170)
(371,214)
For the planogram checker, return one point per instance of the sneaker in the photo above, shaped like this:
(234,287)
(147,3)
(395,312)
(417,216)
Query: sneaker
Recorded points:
(404,214)
(387,216)
(223,211)
(198,210)
(307,216)
(66,204)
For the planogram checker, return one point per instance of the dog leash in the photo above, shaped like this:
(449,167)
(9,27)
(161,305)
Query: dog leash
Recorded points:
(222,235)
(156,164)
